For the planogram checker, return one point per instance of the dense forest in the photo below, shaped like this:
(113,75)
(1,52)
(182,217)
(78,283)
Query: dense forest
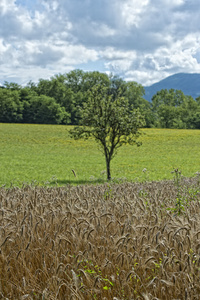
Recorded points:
(59,101)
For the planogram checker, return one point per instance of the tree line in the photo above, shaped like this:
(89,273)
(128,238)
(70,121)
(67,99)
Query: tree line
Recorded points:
(60,99)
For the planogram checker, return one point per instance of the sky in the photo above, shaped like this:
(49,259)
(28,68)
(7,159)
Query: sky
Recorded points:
(139,40)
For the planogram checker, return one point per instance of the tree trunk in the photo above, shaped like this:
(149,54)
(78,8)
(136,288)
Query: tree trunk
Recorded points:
(108,168)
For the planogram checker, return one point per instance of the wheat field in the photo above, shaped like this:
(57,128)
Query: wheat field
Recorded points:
(110,241)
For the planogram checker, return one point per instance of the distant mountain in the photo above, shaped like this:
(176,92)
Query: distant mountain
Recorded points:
(188,83)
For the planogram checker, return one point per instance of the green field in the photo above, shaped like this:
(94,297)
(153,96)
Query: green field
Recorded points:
(46,154)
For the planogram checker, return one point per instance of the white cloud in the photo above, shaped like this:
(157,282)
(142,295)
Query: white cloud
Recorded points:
(132,11)
(6,6)
(145,40)
(173,3)
(143,76)
(111,53)
(103,30)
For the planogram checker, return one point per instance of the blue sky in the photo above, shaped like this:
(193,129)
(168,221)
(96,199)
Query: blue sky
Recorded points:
(140,40)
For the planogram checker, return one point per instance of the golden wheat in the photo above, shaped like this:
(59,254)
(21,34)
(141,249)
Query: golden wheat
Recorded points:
(116,241)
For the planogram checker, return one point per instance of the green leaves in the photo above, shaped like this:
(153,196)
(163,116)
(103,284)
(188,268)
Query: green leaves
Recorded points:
(44,110)
(173,109)
(110,120)
(11,108)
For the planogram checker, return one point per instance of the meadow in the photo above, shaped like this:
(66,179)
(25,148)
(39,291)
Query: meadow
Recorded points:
(46,155)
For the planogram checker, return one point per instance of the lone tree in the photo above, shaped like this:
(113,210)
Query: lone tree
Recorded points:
(110,120)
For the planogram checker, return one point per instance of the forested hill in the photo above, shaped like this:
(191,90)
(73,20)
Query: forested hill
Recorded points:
(189,84)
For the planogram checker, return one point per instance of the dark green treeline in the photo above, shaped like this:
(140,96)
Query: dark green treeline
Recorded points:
(60,99)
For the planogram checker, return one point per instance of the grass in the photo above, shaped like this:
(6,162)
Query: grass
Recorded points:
(46,154)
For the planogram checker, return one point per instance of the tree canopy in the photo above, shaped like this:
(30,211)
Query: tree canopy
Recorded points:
(69,91)
(110,120)
(172,109)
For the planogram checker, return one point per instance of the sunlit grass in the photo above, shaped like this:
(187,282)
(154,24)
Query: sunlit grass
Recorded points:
(46,154)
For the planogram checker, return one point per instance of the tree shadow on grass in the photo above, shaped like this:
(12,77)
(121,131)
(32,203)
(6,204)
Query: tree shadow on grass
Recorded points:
(77,182)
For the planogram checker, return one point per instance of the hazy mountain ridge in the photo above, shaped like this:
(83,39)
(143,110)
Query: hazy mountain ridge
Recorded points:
(189,83)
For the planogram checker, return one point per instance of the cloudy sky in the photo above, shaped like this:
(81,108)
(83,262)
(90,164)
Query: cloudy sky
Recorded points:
(140,40)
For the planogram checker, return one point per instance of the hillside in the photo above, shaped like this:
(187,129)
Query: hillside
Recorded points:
(188,83)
